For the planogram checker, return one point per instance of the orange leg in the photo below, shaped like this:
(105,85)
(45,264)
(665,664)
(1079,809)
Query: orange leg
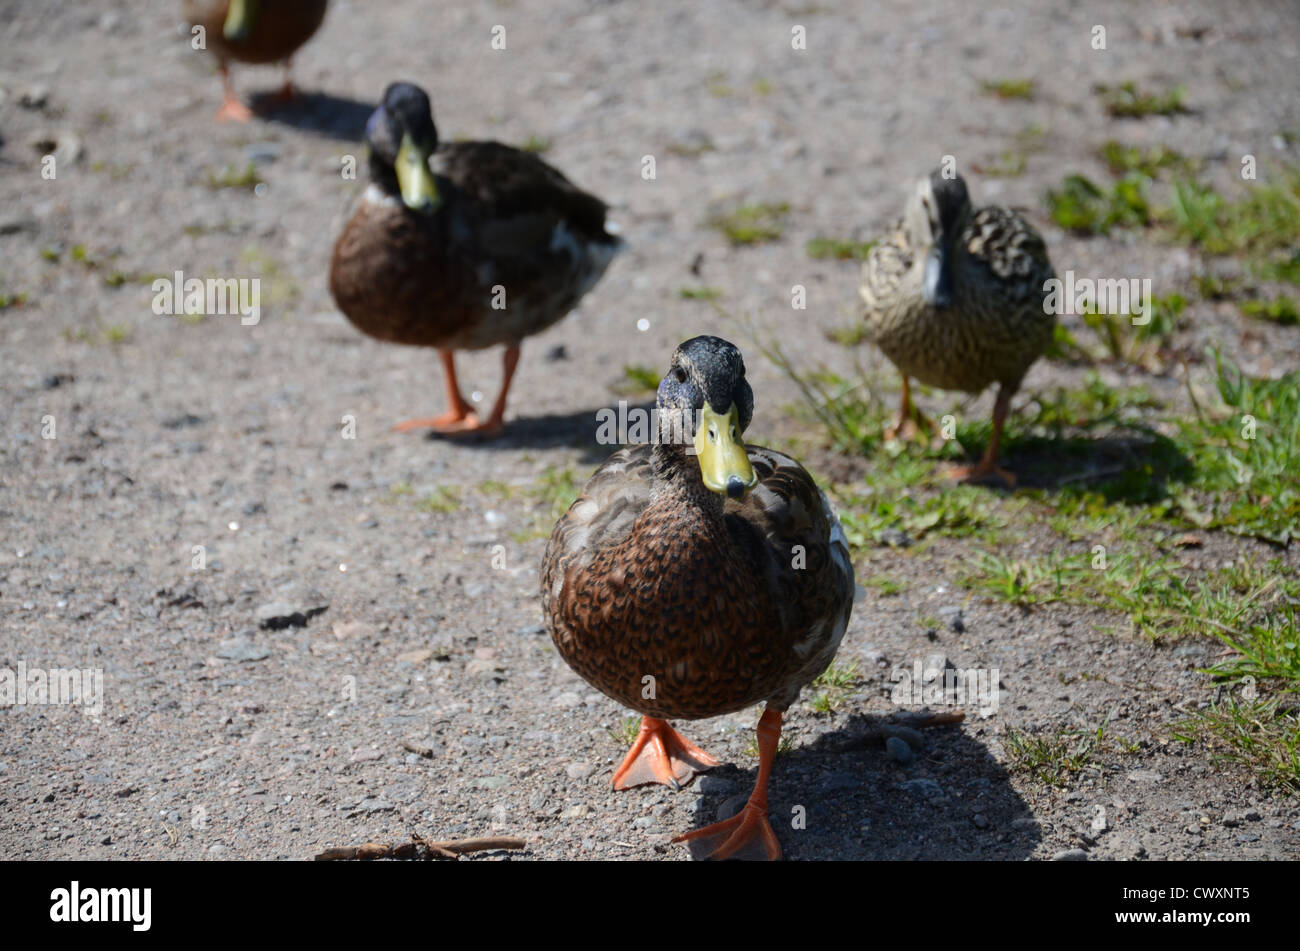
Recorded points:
(509,361)
(988,466)
(231,108)
(910,418)
(287,92)
(661,755)
(459,416)
(750,825)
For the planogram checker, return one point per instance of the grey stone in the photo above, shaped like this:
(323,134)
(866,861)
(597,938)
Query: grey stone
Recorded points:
(579,771)
(243,651)
(926,788)
(1070,855)
(899,750)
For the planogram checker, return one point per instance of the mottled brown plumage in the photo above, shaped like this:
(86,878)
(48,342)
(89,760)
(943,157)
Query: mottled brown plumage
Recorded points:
(954,296)
(491,245)
(723,601)
(658,576)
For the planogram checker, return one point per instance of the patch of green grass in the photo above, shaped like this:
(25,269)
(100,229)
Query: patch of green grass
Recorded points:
(1010,88)
(717,85)
(1284,311)
(962,511)
(1217,287)
(850,335)
(699,293)
(1124,159)
(836,682)
(1138,343)
(1126,101)
(692,147)
(1051,758)
(840,676)
(1261,225)
(117,333)
(638,379)
(1263,736)
(626,730)
(1009,164)
(535,144)
(1157,595)
(497,488)
(8,299)
(1083,207)
(443,500)
(399,489)
(753,223)
(887,586)
(821,249)
(762,87)
(1247,452)
(232,176)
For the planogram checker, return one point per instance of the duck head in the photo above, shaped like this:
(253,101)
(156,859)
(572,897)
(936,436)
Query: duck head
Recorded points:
(402,136)
(705,395)
(933,220)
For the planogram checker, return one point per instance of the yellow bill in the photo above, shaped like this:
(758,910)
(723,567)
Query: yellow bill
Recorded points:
(723,460)
(419,192)
(239,20)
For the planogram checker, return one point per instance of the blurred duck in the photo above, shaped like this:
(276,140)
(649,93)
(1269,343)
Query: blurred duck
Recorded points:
(462,246)
(954,296)
(255,32)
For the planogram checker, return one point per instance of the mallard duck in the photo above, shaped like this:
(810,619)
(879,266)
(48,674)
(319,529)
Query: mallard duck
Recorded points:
(954,296)
(257,32)
(491,246)
(696,576)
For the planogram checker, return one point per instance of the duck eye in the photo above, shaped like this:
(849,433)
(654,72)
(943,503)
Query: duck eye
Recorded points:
(681,374)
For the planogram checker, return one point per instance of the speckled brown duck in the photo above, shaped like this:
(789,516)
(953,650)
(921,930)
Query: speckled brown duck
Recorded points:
(954,297)
(696,577)
(489,246)
(255,32)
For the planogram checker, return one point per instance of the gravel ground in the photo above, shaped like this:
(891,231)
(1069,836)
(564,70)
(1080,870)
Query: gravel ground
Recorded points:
(258,708)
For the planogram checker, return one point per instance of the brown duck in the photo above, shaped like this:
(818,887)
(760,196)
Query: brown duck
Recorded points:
(255,32)
(954,296)
(488,247)
(697,576)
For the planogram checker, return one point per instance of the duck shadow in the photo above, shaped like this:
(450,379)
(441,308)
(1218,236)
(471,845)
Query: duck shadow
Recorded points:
(318,113)
(1132,467)
(952,801)
(578,430)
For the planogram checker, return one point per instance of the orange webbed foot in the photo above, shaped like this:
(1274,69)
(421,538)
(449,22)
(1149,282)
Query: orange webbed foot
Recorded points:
(232,110)
(746,834)
(660,754)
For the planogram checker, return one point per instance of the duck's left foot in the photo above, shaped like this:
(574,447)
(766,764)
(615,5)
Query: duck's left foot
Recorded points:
(741,836)
(660,754)
(232,110)
(983,471)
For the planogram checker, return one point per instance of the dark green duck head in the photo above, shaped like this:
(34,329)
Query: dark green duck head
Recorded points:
(933,220)
(402,136)
(705,401)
